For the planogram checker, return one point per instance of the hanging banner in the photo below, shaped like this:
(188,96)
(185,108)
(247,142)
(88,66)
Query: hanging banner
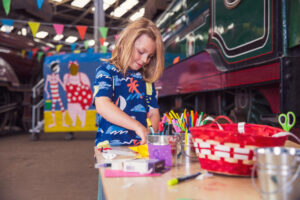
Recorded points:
(103,31)
(39,3)
(81,30)
(59,28)
(34,27)
(68,91)
(6,6)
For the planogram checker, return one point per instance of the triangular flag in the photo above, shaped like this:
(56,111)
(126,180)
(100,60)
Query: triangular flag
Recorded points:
(176,60)
(29,54)
(39,3)
(77,51)
(39,56)
(116,37)
(73,46)
(34,27)
(58,47)
(45,49)
(7,24)
(6,6)
(104,49)
(59,28)
(103,31)
(23,53)
(86,44)
(101,40)
(81,31)
(90,50)
(34,50)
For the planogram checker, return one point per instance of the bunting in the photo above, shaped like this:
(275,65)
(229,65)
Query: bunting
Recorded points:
(101,40)
(34,27)
(8,23)
(34,50)
(29,55)
(59,28)
(86,44)
(81,30)
(39,56)
(6,6)
(23,53)
(104,49)
(39,3)
(58,47)
(73,46)
(103,31)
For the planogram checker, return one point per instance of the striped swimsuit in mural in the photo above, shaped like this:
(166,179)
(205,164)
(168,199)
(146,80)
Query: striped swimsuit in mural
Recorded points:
(55,93)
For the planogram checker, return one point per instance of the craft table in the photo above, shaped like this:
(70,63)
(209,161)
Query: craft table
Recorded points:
(213,188)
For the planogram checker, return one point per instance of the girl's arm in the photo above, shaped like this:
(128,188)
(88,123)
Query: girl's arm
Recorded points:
(112,113)
(154,117)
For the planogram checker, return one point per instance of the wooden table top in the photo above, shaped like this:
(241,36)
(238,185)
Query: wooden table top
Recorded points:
(212,188)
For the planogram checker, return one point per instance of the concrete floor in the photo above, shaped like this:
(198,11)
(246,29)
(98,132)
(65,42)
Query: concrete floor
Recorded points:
(51,168)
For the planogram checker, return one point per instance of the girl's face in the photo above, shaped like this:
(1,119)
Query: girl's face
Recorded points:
(143,52)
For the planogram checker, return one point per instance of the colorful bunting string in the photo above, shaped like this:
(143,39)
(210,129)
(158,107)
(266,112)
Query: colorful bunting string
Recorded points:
(6,6)
(34,27)
(39,4)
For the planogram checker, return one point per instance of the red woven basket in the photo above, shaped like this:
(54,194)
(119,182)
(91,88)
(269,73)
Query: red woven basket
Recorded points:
(228,148)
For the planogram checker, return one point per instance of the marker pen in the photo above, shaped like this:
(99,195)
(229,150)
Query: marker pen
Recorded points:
(174,181)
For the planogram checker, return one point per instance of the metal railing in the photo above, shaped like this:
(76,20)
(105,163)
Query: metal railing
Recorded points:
(38,105)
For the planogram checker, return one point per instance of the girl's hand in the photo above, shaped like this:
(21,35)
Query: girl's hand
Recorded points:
(142,132)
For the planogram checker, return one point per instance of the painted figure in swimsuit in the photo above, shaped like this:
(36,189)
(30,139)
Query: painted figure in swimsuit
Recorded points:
(79,94)
(54,80)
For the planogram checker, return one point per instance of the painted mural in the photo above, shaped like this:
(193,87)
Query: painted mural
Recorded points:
(68,91)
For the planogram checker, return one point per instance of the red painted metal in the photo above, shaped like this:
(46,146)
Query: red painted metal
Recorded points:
(199,74)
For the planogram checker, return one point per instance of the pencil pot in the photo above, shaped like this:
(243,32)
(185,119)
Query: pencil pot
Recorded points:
(278,171)
(164,147)
(229,148)
(188,153)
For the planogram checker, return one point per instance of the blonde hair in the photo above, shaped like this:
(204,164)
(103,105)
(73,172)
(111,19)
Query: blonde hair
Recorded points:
(123,51)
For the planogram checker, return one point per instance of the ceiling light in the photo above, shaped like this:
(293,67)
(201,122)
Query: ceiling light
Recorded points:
(80,3)
(41,34)
(105,43)
(57,0)
(124,7)
(6,28)
(107,3)
(58,37)
(138,14)
(50,45)
(24,31)
(91,42)
(71,39)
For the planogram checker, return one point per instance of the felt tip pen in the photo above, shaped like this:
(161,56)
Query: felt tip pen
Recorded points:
(150,126)
(174,181)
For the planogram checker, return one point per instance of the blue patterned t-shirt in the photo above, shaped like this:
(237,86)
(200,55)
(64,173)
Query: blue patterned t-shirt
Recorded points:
(129,94)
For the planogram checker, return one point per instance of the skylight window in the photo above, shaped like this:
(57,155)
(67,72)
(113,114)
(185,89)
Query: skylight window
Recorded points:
(71,39)
(6,28)
(80,3)
(58,37)
(41,34)
(124,7)
(138,14)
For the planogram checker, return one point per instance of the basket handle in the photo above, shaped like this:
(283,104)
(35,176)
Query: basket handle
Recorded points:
(215,120)
(280,134)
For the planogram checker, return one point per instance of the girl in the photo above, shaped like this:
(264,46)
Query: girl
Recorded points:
(120,95)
